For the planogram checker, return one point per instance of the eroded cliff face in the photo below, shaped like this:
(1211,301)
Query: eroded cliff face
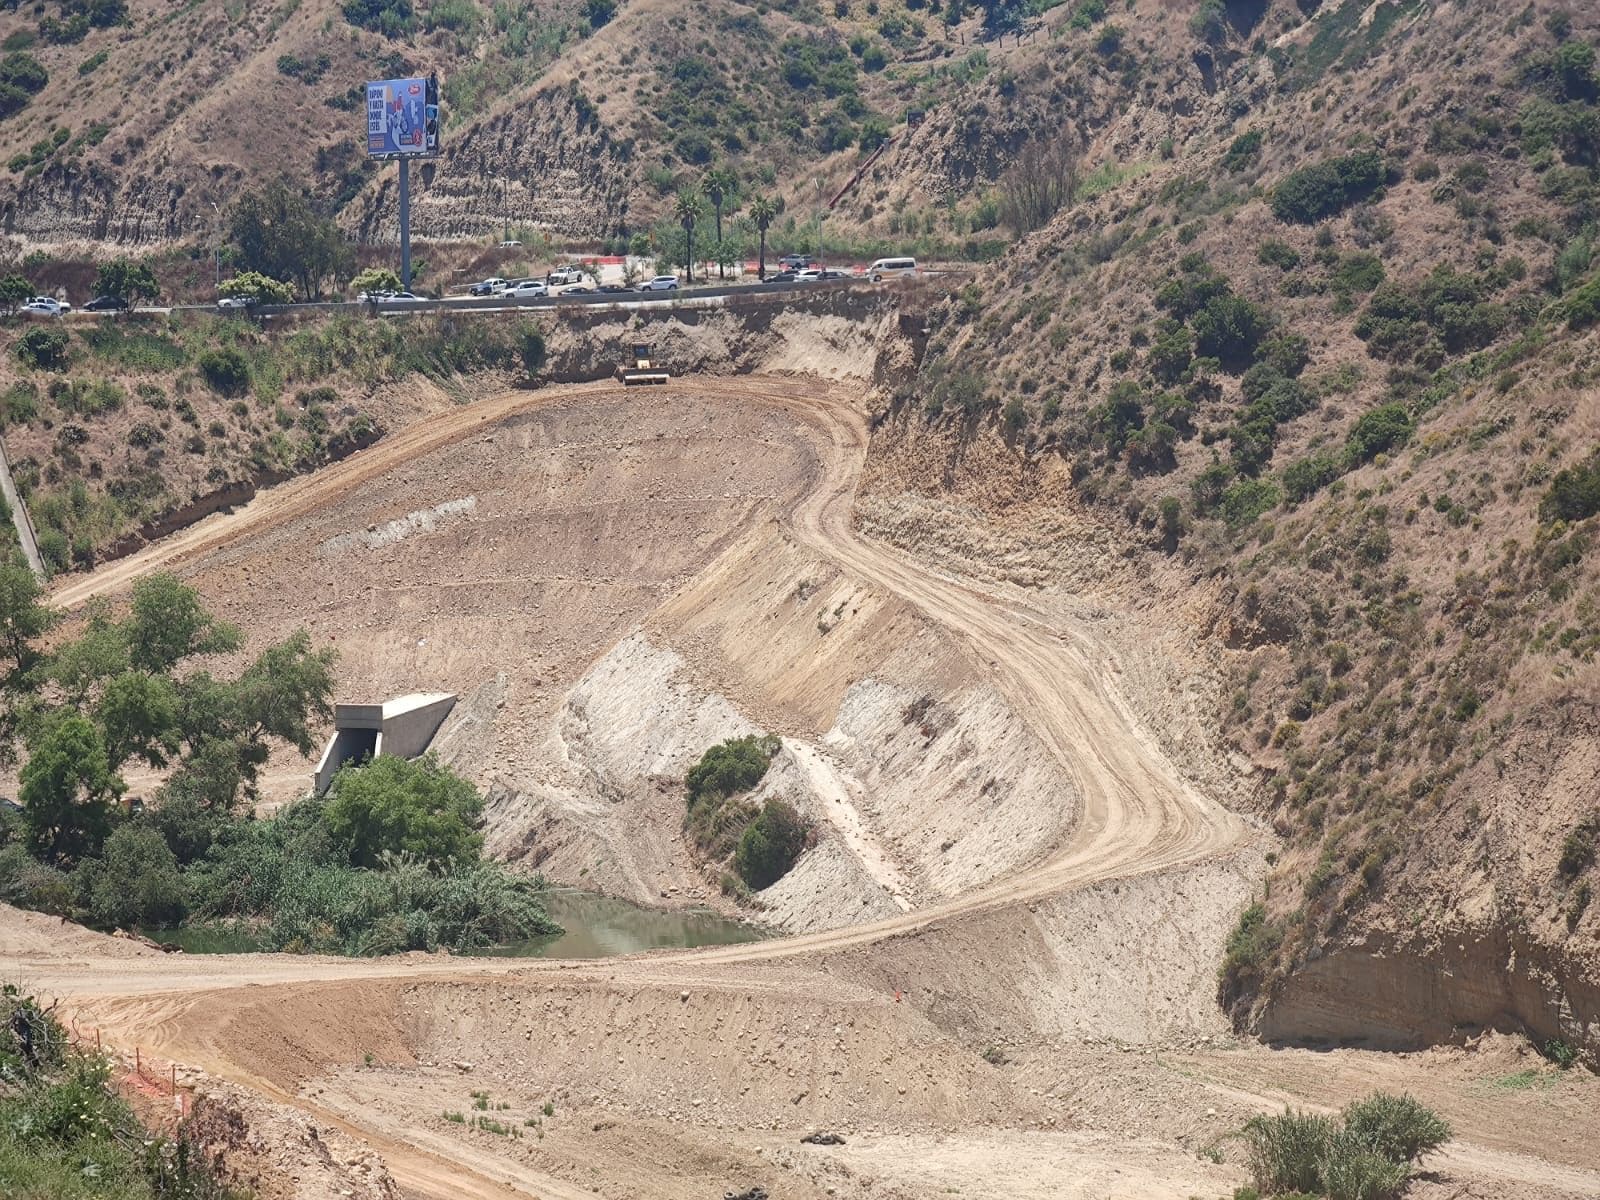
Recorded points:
(546,161)
(73,202)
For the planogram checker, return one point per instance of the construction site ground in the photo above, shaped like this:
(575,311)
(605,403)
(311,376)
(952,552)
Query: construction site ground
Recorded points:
(1002,972)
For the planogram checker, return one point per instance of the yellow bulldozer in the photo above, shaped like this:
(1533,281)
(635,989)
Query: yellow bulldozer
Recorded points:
(641,367)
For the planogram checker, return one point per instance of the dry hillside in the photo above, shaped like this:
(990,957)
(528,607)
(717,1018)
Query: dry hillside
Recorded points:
(1321,358)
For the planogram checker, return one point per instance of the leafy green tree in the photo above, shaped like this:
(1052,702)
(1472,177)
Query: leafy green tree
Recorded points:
(97,654)
(280,234)
(763,212)
(720,183)
(253,285)
(127,280)
(15,291)
(44,349)
(375,279)
(730,767)
(167,624)
(66,789)
(395,806)
(599,12)
(138,715)
(135,883)
(1003,16)
(727,252)
(23,620)
(687,209)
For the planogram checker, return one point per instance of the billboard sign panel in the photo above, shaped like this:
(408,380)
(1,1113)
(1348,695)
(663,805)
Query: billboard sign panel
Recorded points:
(402,118)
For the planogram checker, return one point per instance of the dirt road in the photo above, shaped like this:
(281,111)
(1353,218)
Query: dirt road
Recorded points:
(272,1022)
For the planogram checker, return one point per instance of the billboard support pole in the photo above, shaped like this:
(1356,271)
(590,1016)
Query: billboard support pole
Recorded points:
(405,225)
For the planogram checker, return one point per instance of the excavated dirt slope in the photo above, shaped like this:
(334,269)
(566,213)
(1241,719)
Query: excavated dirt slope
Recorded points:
(1039,1023)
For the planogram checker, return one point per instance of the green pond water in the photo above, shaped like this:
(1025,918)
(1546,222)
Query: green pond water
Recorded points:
(596,927)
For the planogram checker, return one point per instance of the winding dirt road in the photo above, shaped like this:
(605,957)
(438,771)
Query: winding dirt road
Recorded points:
(1137,815)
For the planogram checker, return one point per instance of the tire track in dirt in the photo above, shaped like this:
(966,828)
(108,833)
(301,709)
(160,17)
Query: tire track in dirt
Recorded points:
(1136,816)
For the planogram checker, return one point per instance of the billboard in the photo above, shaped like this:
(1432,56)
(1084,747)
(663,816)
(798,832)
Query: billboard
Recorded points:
(402,118)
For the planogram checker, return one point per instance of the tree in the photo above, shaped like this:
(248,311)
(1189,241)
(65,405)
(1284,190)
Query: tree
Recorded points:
(280,234)
(253,285)
(66,789)
(394,806)
(136,882)
(599,12)
(375,279)
(15,291)
(1002,16)
(1038,184)
(138,715)
(688,209)
(763,212)
(167,625)
(22,620)
(728,252)
(770,844)
(720,183)
(127,280)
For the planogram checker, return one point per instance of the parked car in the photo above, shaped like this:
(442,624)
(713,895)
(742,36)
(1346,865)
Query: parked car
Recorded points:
(833,273)
(509,243)
(661,283)
(46,306)
(578,289)
(563,275)
(807,275)
(403,298)
(237,301)
(374,297)
(488,287)
(784,277)
(527,289)
(106,304)
(615,287)
(795,262)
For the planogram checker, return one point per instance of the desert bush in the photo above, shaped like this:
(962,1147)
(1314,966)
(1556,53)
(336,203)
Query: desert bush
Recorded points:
(771,844)
(1285,1153)
(19,403)
(1244,151)
(1351,1171)
(388,17)
(1247,499)
(1324,189)
(1398,1128)
(43,349)
(1378,430)
(225,369)
(1250,950)
(1228,329)
(730,768)
(1574,493)
(1306,477)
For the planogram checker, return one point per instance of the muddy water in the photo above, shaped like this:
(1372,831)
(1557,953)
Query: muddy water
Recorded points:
(596,927)
(599,927)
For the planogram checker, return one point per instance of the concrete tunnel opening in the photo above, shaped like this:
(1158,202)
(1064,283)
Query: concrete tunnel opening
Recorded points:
(404,726)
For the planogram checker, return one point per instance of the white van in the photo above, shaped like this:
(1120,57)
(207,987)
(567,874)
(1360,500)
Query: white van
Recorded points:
(889,268)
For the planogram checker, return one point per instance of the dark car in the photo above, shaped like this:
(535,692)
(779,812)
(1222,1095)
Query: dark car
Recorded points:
(612,288)
(105,304)
(578,289)
(784,276)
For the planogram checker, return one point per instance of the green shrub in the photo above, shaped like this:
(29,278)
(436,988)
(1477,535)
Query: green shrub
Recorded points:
(1250,950)
(134,883)
(730,768)
(1244,151)
(1378,430)
(1308,476)
(226,370)
(1352,1171)
(1278,254)
(44,349)
(771,844)
(1247,499)
(388,17)
(1574,493)
(1397,1128)
(1285,1153)
(1359,272)
(19,404)
(1228,328)
(1324,189)
(393,805)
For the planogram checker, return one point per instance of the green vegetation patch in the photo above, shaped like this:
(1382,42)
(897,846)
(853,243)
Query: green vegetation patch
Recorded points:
(1322,190)
(763,843)
(1368,1153)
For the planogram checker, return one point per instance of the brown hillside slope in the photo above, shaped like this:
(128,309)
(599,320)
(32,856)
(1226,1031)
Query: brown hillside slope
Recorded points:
(1327,416)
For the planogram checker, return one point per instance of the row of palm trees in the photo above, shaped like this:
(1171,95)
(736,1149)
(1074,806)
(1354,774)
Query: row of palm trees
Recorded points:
(719,185)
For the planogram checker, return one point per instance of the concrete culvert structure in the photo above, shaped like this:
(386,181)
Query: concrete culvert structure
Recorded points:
(404,726)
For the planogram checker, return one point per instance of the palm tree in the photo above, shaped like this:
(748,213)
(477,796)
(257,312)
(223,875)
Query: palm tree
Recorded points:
(763,212)
(719,184)
(687,210)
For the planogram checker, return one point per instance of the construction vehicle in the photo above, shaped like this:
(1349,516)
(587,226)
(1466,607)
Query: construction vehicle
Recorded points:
(644,369)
